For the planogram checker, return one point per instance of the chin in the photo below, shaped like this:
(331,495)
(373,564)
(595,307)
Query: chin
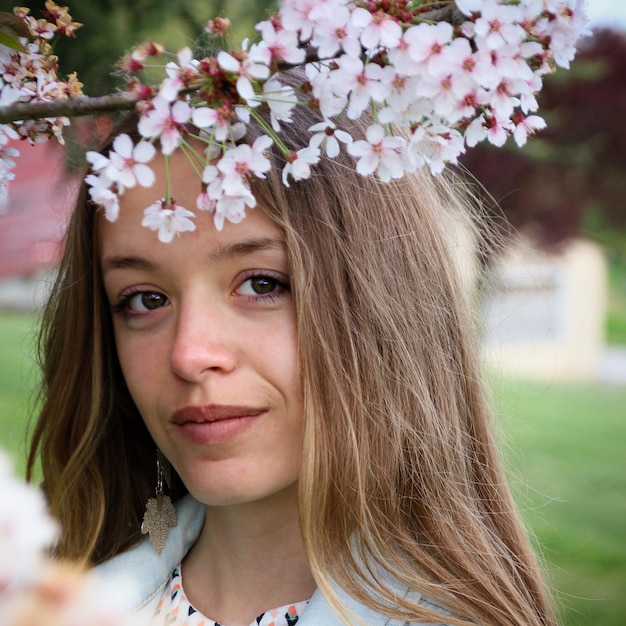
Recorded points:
(237,493)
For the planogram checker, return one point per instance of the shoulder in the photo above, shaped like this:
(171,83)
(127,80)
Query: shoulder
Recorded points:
(320,612)
(145,570)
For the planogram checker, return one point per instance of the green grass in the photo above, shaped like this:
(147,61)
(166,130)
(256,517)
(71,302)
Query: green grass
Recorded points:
(17,382)
(616,310)
(565,444)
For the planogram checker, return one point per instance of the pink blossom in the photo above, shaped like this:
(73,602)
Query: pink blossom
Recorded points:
(204,202)
(498,130)
(322,83)
(476,131)
(178,76)
(427,42)
(7,154)
(402,92)
(282,44)
(165,121)
(28,530)
(9,95)
(469,6)
(502,101)
(240,163)
(220,120)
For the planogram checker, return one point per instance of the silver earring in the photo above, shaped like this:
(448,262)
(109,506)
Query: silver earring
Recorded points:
(160,513)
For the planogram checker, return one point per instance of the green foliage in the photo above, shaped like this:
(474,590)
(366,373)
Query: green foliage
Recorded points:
(112,27)
(11,28)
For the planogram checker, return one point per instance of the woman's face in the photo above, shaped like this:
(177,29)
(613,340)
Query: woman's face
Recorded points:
(206,337)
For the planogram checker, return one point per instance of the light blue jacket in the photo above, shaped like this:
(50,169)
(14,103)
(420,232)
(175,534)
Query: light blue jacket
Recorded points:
(151,572)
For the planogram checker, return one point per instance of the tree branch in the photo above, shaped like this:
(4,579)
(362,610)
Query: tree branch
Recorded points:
(75,106)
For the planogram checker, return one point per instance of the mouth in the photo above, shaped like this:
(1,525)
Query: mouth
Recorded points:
(212,424)
(213,413)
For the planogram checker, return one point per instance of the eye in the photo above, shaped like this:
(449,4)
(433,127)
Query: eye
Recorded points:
(263,286)
(146,301)
(258,286)
(140,302)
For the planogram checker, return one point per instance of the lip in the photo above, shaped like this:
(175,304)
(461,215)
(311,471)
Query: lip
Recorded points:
(214,423)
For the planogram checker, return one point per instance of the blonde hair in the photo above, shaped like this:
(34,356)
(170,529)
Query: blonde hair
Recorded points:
(400,474)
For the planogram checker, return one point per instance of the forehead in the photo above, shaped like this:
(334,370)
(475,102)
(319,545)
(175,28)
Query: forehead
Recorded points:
(126,235)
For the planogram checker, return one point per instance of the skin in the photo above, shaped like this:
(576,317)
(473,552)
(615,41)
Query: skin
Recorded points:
(202,322)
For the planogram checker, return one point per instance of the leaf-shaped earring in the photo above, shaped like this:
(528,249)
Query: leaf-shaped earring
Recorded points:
(160,513)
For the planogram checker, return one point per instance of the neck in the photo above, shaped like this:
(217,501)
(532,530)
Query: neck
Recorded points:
(248,559)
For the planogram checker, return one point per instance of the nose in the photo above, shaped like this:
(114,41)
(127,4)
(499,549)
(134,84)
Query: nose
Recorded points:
(203,342)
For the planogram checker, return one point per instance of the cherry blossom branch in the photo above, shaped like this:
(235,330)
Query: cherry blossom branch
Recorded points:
(79,106)
(75,106)
(452,72)
(448,13)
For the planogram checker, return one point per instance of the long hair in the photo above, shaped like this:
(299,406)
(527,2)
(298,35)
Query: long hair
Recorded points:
(400,475)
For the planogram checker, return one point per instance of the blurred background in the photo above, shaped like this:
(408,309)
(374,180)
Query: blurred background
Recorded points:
(552,309)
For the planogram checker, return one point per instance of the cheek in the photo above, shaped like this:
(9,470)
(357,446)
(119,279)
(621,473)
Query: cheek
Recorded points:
(142,363)
(282,348)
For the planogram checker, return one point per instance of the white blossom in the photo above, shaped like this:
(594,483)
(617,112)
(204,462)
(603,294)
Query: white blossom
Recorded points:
(101,194)
(361,83)
(327,135)
(377,29)
(281,99)
(527,126)
(448,86)
(283,45)
(435,146)
(128,163)
(499,24)
(254,65)
(26,529)
(380,153)
(299,164)
(336,32)
(168,219)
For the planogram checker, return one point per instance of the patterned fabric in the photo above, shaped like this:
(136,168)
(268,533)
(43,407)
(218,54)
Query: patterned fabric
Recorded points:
(175,608)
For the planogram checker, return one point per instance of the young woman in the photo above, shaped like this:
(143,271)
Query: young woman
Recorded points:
(312,378)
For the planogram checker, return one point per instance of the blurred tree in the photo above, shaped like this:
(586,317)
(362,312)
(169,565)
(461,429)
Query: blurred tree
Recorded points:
(569,179)
(112,27)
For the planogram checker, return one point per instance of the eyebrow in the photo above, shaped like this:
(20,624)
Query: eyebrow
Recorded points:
(223,253)
(248,246)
